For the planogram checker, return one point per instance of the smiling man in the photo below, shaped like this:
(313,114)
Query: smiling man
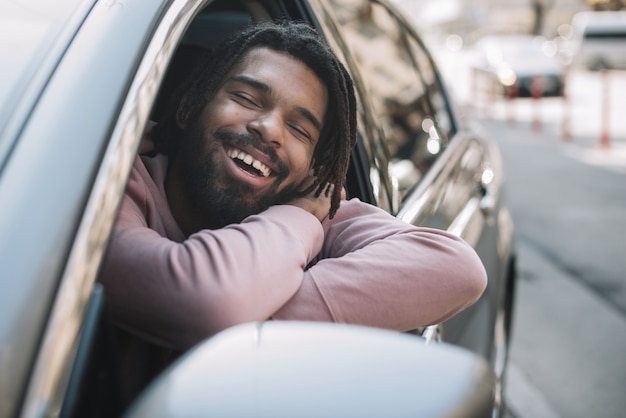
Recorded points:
(251,146)
(233,213)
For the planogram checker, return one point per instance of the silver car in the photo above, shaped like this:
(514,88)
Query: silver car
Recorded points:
(597,41)
(519,66)
(80,79)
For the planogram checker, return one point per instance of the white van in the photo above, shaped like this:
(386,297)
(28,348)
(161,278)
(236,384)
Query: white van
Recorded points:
(599,40)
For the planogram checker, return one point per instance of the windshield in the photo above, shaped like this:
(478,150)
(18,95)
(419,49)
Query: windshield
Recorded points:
(29,30)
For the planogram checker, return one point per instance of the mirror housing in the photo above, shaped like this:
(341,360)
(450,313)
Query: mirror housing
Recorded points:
(304,369)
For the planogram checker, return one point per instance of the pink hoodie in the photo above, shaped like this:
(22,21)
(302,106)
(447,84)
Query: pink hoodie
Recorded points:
(362,267)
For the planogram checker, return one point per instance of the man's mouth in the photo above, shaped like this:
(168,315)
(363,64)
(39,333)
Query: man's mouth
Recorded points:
(249,163)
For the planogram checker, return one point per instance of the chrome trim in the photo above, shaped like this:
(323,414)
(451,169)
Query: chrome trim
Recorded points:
(433,181)
(432,333)
(469,222)
(51,372)
(412,210)
(499,360)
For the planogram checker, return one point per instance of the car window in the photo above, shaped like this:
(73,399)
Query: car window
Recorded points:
(213,23)
(402,86)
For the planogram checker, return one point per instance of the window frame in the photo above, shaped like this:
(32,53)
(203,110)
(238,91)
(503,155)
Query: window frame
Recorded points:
(56,356)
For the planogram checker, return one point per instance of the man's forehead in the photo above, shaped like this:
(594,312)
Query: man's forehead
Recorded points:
(255,51)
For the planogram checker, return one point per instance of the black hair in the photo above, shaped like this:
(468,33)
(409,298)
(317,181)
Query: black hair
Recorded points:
(302,42)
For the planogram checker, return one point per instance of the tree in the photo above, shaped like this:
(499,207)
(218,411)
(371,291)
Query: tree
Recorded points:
(540,8)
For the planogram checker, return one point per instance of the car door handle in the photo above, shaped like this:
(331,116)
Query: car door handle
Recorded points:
(488,188)
(487,203)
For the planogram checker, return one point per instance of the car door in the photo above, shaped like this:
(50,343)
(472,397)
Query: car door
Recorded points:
(71,136)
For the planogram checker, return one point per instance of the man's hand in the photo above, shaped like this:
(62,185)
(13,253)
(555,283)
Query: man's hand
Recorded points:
(317,206)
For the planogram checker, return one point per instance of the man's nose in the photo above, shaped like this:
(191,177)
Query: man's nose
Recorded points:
(268,127)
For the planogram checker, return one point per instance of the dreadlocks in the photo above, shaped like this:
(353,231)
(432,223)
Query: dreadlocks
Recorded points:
(338,135)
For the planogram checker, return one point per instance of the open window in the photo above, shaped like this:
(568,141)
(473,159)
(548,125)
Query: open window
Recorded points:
(93,380)
(213,24)
(217,21)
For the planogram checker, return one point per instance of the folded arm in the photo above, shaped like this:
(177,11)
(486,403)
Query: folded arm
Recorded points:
(377,271)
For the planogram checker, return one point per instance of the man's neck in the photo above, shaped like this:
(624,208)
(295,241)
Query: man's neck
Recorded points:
(188,221)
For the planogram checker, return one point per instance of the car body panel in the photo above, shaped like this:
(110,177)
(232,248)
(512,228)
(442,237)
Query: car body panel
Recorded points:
(43,35)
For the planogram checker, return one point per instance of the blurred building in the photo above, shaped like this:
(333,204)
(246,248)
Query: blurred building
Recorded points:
(607,4)
(472,19)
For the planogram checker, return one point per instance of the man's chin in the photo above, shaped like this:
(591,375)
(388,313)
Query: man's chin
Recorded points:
(234,205)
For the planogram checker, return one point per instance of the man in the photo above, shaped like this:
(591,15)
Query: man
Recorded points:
(235,215)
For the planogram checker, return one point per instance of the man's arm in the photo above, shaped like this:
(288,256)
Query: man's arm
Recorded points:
(175,294)
(378,271)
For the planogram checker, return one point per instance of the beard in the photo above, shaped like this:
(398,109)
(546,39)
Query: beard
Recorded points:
(220,199)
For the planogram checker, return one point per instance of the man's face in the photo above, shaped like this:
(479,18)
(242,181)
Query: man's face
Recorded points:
(252,145)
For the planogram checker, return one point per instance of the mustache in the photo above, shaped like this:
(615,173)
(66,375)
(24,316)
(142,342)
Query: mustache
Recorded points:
(251,140)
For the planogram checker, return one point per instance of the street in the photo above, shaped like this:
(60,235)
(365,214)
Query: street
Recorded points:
(568,199)
(569,336)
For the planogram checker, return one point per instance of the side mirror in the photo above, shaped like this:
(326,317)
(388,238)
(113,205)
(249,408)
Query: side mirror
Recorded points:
(303,369)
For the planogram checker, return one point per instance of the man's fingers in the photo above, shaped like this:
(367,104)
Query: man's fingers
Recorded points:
(307,182)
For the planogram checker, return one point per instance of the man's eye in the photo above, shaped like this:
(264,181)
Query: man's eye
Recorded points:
(244,99)
(300,132)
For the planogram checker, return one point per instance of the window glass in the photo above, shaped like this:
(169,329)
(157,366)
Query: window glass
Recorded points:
(402,87)
(434,89)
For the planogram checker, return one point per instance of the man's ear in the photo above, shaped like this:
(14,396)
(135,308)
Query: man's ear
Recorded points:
(181,118)
(182,112)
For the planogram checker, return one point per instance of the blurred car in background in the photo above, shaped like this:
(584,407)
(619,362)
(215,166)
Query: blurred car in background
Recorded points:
(80,79)
(597,41)
(520,65)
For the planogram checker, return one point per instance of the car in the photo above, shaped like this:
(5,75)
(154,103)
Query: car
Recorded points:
(597,41)
(81,79)
(520,65)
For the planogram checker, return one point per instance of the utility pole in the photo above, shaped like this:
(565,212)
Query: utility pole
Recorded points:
(540,10)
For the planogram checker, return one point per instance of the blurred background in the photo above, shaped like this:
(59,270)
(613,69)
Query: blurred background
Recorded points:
(547,80)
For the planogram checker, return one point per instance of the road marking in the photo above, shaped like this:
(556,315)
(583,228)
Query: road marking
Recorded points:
(613,157)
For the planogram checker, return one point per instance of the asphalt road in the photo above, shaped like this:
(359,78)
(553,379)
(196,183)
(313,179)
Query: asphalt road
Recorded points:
(565,167)
(568,199)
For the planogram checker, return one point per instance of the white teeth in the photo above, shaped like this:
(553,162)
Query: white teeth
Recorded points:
(248,159)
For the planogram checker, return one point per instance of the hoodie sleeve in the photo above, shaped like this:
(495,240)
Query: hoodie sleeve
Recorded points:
(378,271)
(178,293)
